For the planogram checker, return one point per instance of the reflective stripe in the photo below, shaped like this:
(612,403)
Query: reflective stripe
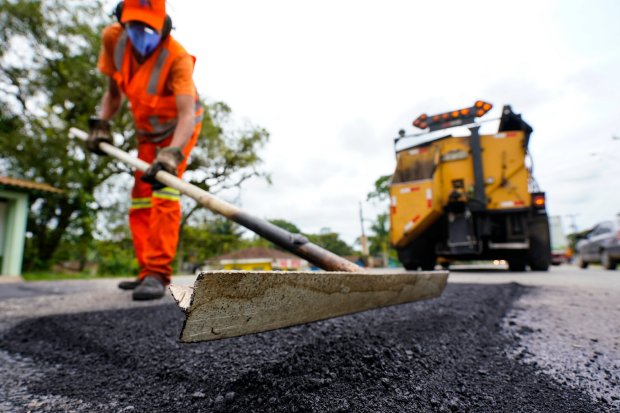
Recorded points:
(161,131)
(119,50)
(151,89)
(175,198)
(139,203)
(167,193)
(140,200)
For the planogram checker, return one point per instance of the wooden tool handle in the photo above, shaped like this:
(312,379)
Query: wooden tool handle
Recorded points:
(294,243)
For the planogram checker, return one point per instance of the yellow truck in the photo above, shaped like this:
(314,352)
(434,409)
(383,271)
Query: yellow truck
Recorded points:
(467,197)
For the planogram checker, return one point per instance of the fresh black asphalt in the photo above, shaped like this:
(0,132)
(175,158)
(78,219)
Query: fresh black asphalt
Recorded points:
(444,355)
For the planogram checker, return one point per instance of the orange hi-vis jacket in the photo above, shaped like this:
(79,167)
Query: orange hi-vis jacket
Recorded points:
(154,216)
(155,114)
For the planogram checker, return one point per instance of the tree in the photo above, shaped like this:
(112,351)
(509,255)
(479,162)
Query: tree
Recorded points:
(289,226)
(224,158)
(380,232)
(379,240)
(331,241)
(382,189)
(258,241)
(48,83)
(326,238)
(214,236)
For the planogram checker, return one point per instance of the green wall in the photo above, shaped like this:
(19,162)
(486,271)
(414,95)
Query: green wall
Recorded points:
(14,233)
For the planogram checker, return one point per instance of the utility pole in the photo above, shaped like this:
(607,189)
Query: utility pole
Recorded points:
(363,239)
(573,225)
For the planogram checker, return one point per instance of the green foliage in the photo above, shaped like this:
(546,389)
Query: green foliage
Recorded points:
(331,241)
(326,238)
(224,158)
(286,225)
(379,239)
(55,276)
(49,83)
(116,258)
(382,189)
(575,237)
(257,241)
(226,155)
(212,237)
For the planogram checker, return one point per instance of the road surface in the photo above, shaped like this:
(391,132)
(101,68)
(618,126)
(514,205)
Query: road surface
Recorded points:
(495,341)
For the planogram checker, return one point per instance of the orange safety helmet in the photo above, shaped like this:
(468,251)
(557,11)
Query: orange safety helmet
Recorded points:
(151,12)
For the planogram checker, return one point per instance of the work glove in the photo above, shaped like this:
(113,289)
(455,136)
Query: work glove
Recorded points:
(167,159)
(99,131)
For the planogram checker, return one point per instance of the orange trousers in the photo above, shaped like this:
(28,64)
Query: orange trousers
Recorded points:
(155,216)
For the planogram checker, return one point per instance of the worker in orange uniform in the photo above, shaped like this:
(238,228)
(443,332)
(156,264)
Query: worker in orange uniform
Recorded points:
(144,63)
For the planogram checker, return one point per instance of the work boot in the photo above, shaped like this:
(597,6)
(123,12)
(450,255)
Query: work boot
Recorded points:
(150,288)
(129,285)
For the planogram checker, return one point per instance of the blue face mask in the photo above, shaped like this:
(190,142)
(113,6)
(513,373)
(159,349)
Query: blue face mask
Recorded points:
(143,38)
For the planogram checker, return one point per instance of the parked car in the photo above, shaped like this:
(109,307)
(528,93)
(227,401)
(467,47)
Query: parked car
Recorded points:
(601,245)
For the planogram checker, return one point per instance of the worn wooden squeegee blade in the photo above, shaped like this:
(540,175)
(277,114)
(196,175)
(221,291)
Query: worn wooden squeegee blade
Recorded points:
(224,304)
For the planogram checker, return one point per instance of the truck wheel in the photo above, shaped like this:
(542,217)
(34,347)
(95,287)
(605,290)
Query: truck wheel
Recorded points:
(411,266)
(607,262)
(539,254)
(517,261)
(409,261)
(516,264)
(419,254)
(429,262)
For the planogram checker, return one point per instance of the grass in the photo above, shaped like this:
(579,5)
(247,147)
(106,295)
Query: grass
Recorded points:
(56,276)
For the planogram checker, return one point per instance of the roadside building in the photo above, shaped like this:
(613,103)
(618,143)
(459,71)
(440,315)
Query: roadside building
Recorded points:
(259,259)
(13,217)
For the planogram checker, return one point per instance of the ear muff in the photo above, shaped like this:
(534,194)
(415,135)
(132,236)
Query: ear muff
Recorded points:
(165,31)
(118,11)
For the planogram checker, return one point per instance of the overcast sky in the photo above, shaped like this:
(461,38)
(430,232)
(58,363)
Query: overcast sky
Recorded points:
(333,82)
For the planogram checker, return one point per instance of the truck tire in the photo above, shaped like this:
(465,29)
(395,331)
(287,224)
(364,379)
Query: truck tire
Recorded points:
(428,264)
(517,263)
(539,254)
(418,254)
(607,262)
(539,257)
(407,259)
